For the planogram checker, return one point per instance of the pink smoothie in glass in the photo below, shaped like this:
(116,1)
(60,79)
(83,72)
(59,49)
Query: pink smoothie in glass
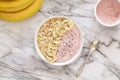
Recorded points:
(108,11)
(69,45)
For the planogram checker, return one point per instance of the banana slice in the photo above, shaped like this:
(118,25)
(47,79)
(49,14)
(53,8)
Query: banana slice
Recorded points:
(51,59)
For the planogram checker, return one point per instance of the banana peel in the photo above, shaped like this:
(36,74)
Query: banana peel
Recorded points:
(23,14)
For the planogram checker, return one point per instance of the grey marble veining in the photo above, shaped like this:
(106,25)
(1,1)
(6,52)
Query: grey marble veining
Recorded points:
(18,58)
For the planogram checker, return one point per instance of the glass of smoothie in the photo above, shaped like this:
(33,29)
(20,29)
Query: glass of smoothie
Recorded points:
(107,12)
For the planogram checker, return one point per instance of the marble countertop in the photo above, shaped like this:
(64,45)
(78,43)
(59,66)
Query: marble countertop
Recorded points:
(18,58)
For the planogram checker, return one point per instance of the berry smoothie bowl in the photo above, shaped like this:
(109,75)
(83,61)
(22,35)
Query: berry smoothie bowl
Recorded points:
(59,40)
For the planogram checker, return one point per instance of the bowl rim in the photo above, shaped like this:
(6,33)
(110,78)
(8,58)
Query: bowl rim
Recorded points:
(107,25)
(58,63)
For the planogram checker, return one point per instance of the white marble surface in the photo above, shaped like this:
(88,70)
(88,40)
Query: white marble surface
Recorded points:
(18,58)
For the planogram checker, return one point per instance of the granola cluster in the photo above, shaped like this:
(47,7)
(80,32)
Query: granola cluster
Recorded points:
(50,34)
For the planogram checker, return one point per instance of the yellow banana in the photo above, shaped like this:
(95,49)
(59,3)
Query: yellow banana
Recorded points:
(14,5)
(23,14)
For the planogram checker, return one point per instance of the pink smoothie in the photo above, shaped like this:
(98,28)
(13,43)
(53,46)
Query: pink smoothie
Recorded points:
(108,11)
(69,45)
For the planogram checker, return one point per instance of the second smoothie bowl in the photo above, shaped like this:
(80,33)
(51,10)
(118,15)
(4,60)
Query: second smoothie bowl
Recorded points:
(59,40)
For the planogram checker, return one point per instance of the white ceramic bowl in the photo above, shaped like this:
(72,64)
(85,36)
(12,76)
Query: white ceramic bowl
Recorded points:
(107,25)
(58,63)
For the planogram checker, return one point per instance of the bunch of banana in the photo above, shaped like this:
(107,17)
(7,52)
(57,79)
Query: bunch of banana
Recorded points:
(17,10)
